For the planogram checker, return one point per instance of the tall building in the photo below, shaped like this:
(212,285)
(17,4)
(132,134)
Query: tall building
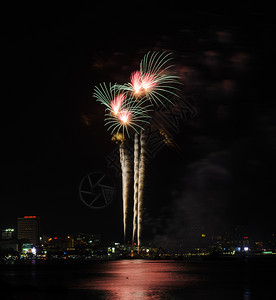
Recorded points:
(28,228)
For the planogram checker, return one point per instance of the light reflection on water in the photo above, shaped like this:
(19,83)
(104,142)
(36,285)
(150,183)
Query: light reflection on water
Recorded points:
(140,279)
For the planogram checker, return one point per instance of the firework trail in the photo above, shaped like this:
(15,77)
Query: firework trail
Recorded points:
(125,165)
(128,176)
(142,164)
(122,161)
(136,187)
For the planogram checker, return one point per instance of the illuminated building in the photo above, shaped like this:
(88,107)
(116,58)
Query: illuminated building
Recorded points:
(87,239)
(61,244)
(245,244)
(7,233)
(28,228)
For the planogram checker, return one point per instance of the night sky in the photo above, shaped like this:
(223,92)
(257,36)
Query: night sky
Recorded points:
(53,132)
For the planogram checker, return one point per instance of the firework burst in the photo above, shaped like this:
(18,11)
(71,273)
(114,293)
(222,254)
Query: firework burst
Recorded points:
(116,103)
(141,83)
(123,111)
(154,79)
(127,110)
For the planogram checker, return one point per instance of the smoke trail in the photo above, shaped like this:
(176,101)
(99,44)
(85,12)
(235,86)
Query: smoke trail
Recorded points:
(141,186)
(136,179)
(124,185)
(128,176)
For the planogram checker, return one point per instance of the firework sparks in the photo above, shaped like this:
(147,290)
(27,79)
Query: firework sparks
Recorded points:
(142,83)
(105,95)
(154,67)
(123,112)
(154,79)
(124,116)
(148,81)
(132,115)
(136,81)
(116,103)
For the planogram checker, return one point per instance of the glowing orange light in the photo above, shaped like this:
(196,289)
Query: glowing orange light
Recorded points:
(116,103)
(124,116)
(55,238)
(245,237)
(29,217)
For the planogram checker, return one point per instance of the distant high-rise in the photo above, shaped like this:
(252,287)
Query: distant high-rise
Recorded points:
(28,228)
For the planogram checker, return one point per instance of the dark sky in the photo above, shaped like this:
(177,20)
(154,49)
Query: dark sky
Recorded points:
(223,176)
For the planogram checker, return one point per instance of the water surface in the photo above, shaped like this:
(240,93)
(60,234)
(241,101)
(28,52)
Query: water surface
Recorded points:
(138,279)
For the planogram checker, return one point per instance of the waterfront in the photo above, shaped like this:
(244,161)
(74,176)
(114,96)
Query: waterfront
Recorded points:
(138,279)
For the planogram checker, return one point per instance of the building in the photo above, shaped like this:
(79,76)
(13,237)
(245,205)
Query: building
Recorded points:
(7,234)
(60,244)
(28,229)
(9,244)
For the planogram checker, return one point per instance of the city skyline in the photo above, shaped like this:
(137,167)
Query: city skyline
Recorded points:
(33,234)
